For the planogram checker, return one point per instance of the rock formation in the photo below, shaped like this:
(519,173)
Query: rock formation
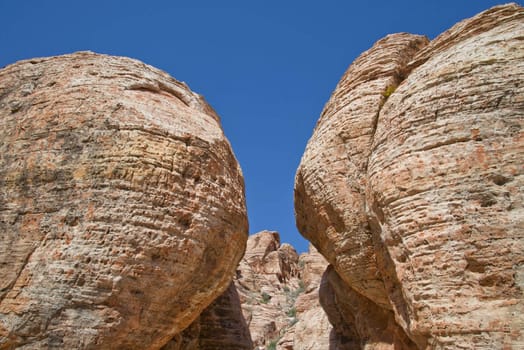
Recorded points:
(122,210)
(267,281)
(312,330)
(277,291)
(220,326)
(411,187)
(279,294)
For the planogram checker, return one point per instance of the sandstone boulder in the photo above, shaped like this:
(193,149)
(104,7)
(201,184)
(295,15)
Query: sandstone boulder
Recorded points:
(122,210)
(411,185)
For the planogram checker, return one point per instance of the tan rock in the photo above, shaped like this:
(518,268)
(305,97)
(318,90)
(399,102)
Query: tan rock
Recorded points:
(312,330)
(281,308)
(411,185)
(266,278)
(331,178)
(358,322)
(451,216)
(122,206)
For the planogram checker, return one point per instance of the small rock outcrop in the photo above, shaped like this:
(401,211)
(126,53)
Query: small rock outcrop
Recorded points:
(272,304)
(122,212)
(268,282)
(279,294)
(312,329)
(411,187)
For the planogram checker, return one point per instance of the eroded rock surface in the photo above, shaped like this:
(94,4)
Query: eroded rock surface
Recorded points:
(358,322)
(411,186)
(122,210)
(278,290)
(267,281)
(220,326)
(312,329)
(274,299)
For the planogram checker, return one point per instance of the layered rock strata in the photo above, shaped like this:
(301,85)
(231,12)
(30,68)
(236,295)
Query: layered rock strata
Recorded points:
(121,205)
(411,187)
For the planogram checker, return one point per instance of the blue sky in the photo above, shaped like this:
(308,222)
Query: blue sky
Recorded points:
(267,67)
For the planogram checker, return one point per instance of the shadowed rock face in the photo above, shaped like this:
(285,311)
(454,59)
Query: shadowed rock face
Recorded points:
(358,322)
(274,301)
(411,185)
(220,326)
(122,210)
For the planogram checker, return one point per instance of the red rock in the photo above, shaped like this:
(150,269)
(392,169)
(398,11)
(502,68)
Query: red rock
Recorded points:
(220,326)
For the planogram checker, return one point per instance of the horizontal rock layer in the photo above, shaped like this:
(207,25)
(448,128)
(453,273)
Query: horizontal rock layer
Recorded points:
(411,185)
(122,205)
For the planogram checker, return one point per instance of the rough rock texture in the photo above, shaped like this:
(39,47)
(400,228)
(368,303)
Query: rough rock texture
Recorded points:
(278,292)
(220,326)
(411,187)
(312,329)
(330,185)
(332,175)
(358,322)
(279,295)
(122,210)
(267,281)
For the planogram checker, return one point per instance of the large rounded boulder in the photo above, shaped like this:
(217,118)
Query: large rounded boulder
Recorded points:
(122,211)
(411,186)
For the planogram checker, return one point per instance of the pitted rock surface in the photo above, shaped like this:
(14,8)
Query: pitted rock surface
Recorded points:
(411,185)
(122,211)
(332,174)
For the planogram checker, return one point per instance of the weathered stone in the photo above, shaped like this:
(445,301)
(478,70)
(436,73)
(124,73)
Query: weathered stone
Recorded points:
(279,294)
(312,329)
(121,206)
(220,326)
(332,174)
(411,185)
(451,216)
(266,278)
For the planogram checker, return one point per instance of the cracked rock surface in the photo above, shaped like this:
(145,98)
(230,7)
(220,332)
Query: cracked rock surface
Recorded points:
(411,187)
(122,212)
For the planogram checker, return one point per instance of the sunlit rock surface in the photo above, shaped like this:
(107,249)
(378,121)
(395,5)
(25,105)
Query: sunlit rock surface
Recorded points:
(122,210)
(411,185)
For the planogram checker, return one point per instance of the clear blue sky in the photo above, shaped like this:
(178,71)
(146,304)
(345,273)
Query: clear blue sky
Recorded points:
(267,67)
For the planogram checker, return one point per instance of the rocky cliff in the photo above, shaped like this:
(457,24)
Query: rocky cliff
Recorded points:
(122,210)
(411,187)
(277,291)
(277,288)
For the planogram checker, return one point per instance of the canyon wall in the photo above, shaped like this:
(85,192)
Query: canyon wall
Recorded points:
(122,212)
(411,187)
